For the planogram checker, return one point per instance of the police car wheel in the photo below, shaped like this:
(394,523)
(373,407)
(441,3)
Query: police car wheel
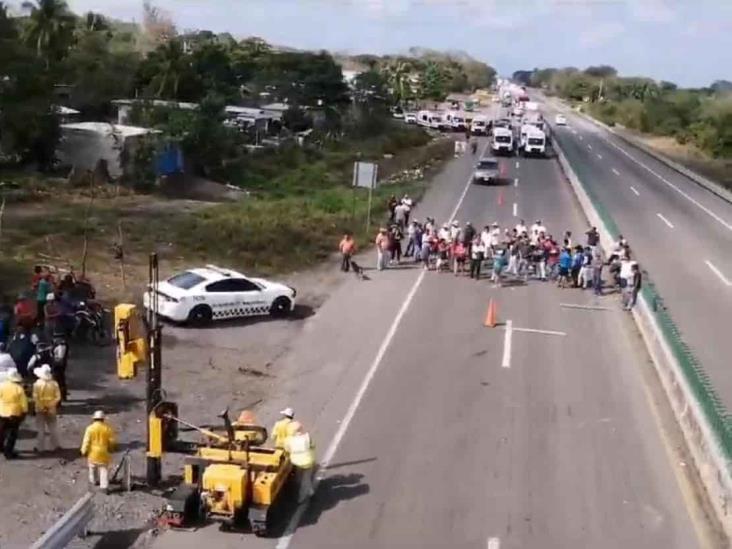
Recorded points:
(280,307)
(200,315)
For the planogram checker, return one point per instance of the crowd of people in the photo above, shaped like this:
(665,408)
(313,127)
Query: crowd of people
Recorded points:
(521,252)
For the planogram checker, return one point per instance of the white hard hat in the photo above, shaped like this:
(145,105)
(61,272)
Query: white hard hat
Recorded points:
(44,372)
(288,412)
(50,297)
(99,414)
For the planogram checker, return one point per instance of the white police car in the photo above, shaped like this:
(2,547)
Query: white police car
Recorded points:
(211,293)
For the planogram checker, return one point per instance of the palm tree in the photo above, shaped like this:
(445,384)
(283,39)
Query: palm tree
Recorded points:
(173,64)
(397,76)
(49,28)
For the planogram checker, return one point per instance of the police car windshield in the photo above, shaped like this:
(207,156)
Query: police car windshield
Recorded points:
(185,280)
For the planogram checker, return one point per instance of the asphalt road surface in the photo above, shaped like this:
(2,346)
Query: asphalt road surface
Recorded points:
(441,432)
(680,232)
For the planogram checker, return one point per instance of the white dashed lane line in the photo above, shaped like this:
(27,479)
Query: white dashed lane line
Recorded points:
(636,192)
(515,209)
(719,273)
(589,146)
(599,156)
(616,172)
(666,221)
(515,182)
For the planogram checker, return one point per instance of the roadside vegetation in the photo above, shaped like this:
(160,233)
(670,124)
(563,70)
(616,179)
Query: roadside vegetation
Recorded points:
(700,120)
(295,176)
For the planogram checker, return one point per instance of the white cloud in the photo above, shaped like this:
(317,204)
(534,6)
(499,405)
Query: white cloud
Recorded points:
(600,34)
(653,11)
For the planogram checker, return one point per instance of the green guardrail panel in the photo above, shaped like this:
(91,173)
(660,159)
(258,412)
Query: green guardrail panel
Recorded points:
(715,412)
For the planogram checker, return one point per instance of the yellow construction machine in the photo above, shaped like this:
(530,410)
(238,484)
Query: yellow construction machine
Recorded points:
(228,475)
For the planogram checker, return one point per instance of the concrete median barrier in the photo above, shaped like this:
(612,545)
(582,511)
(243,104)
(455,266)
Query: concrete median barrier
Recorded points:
(702,417)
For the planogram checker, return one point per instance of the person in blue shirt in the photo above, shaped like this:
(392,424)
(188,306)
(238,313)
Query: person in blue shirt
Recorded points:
(565,265)
(499,262)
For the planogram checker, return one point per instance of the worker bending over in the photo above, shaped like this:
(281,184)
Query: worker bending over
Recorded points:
(302,455)
(98,444)
(46,397)
(13,409)
(279,431)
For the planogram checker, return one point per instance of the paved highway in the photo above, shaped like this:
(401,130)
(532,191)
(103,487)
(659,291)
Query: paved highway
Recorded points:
(440,432)
(681,233)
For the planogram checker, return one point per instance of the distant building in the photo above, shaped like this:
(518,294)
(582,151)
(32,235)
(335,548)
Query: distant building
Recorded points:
(84,144)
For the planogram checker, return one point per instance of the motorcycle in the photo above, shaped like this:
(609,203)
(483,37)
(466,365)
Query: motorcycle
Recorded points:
(90,323)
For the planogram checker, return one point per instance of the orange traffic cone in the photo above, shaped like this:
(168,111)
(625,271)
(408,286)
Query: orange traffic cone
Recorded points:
(491,317)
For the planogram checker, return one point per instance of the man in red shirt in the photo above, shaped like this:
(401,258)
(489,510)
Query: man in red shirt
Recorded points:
(347,248)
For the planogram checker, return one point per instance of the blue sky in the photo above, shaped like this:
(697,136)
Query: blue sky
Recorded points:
(685,41)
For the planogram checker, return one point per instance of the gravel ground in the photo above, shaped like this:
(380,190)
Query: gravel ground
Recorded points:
(232,364)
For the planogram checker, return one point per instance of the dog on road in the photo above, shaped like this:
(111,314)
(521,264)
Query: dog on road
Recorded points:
(358,271)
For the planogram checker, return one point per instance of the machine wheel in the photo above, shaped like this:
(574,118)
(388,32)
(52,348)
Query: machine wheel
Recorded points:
(259,529)
(280,307)
(200,315)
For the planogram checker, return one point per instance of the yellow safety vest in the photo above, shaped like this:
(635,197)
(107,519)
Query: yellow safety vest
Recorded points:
(99,441)
(46,396)
(279,432)
(301,450)
(13,402)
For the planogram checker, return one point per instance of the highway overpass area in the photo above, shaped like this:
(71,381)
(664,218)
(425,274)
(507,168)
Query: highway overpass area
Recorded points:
(547,431)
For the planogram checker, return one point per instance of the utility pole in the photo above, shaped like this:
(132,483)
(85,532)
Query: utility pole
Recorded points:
(154,370)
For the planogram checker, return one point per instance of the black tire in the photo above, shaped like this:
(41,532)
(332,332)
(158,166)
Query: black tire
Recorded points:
(281,307)
(200,315)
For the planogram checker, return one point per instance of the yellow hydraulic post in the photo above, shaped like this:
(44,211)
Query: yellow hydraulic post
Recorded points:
(131,341)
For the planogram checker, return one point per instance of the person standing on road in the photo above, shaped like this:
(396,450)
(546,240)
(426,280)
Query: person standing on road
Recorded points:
(593,237)
(279,431)
(426,249)
(412,231)
(578,259)
(408,204)
(499,263)
(302,455)
(468,234)
(477,254)
(44,290)
(13,409)
(382,248)
(565,266)
(395,243)
(46,398)
(98,444)
(521,228)
(392,204)
(634,286)
(347,248)
(597,265)
(400,215)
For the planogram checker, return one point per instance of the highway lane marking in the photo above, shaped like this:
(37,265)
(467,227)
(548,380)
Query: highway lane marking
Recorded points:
(506,363)
(284,541)
(719,273)
(515,209)
(493,543)
(515,182)
(543,332)
(666,221)
(632,188)
(589,146)
(517,164)
(616,172)
(581,137)
(586,307)
(673,186)
(599,156)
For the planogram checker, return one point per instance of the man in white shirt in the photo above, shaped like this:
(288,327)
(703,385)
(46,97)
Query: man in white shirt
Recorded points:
(454,230)
(521,228)
(444,233)
(485,238)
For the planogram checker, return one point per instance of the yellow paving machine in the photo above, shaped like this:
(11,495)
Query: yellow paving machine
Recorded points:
(229,476)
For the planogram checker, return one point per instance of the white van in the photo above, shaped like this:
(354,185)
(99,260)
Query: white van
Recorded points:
(424,118)
(535,143)
(479,126)
(456,120)
(502,141)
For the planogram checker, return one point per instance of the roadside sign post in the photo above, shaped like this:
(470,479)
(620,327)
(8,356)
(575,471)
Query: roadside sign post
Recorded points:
(365,175)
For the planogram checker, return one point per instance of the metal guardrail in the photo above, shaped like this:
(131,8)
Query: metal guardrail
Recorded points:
(72,525)
(700,413)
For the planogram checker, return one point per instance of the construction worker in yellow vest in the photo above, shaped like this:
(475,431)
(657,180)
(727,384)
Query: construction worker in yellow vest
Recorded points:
(279,431)
(302,455)
(46,397)
(98,444)
(13,409)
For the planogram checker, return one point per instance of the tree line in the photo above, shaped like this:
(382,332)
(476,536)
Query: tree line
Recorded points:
(701,116)
(50,56)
